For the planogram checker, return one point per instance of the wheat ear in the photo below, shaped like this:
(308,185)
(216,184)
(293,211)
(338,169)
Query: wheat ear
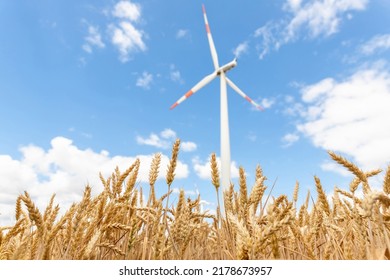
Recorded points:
(349,165)
(386,182)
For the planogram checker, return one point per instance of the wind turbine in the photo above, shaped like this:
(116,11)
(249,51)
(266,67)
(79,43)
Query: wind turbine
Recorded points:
(221,72)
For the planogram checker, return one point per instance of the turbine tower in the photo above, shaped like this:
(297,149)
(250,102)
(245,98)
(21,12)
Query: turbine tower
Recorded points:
(221,72)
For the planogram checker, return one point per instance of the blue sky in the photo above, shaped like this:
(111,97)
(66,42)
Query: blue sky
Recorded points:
(87,85)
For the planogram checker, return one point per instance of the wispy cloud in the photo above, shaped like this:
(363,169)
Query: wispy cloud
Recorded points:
(252,136)
(175,74)
(305,19)
(64,169)
(318,17)
(93,39)
(351,116)
(182,33)
(267,35)
(125,35)
(378,43)
(145,80)
(292,107)
(241,49)
(82,61)
(267,103)
(48,23)
(289,139)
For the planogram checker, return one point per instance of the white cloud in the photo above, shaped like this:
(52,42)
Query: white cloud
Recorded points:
(181,33)
(168,134)
(87,48)
(319,17)
(127,39)
(188,146)
(376,44)
(123,31)
(127,10)
(266,103)
(64,169)
(125,36)
(203,169)
(241,49)
(351,116)
(292,4)
(165,140)
(176,76)
(317,91)
(289,139)
(93,39)
(294,109)
(153,140)
(145,80)
(289,99)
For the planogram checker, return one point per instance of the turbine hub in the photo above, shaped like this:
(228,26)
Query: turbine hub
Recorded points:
(227,67)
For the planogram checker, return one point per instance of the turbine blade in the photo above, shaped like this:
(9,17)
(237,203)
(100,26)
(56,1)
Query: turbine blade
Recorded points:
(240,92)
(197,87)
(214,55)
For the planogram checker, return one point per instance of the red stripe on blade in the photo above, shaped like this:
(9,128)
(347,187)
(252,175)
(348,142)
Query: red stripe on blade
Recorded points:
(247,98)
(203,9)
(207,28)
(188,94)
(173,106)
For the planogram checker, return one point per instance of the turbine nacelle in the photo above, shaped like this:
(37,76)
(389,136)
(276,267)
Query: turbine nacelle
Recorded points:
(227,67)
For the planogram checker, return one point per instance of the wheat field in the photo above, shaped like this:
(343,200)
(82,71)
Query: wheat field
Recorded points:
(249,222)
